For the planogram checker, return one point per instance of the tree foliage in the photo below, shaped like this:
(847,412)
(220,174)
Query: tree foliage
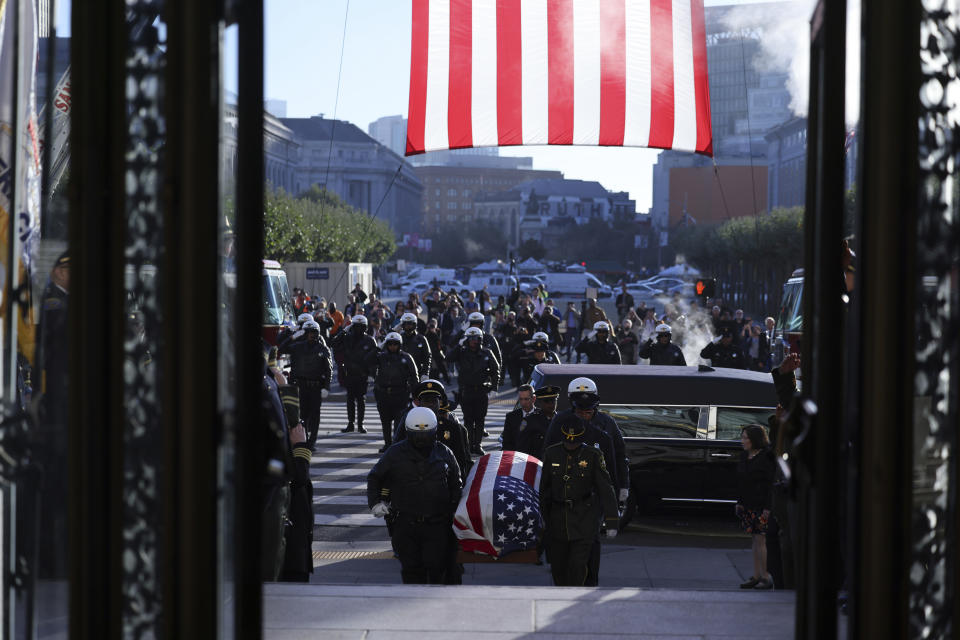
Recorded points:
(752,256)
(318,226)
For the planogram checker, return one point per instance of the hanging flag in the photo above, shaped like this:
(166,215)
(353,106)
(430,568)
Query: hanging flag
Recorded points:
(563,72)
(500,509)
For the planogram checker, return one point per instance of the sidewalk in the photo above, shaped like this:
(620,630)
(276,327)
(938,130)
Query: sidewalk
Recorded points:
(494,613)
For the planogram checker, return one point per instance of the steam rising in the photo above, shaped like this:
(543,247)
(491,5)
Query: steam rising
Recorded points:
(784,29)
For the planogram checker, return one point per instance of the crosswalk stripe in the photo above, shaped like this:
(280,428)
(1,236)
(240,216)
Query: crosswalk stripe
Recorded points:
(351,500)
(348,520)
(317,460)
(339,486)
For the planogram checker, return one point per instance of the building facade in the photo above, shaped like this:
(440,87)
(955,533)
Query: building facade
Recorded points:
(281,151)
(449,192)
(337,155)
(787,164)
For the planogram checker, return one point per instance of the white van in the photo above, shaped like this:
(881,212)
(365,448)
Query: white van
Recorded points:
(573,284)
(498,284)
(428,274)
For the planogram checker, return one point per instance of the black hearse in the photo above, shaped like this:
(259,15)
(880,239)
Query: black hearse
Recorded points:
(681,425)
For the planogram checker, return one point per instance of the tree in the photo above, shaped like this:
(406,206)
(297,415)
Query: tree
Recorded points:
(531,249)
(319,227)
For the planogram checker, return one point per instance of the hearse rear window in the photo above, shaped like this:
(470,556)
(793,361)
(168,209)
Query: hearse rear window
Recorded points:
(655,422)
(730,420)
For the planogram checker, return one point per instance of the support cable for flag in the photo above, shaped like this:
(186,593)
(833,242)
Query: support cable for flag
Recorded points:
(336,103)
(753,184)
(723,198)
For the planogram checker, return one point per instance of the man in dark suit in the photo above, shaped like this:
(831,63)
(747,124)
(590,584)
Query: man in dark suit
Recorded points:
(525,427)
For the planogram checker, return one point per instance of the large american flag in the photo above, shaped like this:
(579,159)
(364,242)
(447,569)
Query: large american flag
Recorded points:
(500,510)
(584,72)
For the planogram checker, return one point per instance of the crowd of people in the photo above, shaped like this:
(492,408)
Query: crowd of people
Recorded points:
(411,351)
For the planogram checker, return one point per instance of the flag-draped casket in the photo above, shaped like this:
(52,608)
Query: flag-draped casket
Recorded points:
(500,509)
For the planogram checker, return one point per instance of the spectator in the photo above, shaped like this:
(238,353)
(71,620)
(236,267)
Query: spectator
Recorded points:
(358,294)
(336,316)
(593,314)
(755,481)
(472,304)
(627,340)
(571,326)
(648,325)
(352,308)
(624,303)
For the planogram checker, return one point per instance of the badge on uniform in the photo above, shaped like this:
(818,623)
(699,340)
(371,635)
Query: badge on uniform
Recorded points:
(583,464)
(446,435)
(523,425)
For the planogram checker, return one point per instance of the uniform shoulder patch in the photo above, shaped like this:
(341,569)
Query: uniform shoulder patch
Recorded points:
(52,304)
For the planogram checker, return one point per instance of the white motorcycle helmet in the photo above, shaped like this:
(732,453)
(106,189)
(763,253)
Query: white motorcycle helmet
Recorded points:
(359,320)
(476,316)
(663,329)
(600,325)
(473,332)
(421,426)
(408,317)
(583,394)
(303,317)
(540,336)
(393,336)
(311,325)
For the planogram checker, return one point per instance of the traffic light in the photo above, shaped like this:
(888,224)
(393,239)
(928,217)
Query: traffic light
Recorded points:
(706,287)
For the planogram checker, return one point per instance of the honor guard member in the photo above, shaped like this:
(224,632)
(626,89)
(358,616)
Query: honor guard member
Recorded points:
(272,442)
(310,369)
(663,352)
(291,332)
(722,352)
(298,528)
(354,349)
(547,401)
(477,373)
(537,351)
(417,482)
(525,428)
(599,349)
(395,377)
(431,394)
(490,342)
(415,344)
(575,493)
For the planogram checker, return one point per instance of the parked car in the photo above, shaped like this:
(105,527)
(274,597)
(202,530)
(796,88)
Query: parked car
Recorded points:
(681,426)
(497,284)
(529,283)
(574,284)
(421,287)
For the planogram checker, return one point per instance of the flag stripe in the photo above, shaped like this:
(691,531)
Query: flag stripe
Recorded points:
(416,112)
(636,127)
(460,124)
(586,71)
(435,134)
(535,83)
(509,73)
(684,96)
(661,101)
(613,72)
(701,83)
(484,73)
(530,472)
(560,59)
(506,461)
(473,500)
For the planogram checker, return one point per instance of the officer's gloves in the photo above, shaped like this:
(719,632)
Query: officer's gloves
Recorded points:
(380,509)
(611,533)
(624,494)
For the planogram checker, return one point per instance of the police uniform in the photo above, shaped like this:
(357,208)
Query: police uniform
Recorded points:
(395,377)
(599,352)
(298,529)
(417,346)
(478,372)
(450,431)
(354,350)
(275,491)
(311,369)
(528,359)
(724,355)
(423,491)
(575,492)
(663,354)
(525,432)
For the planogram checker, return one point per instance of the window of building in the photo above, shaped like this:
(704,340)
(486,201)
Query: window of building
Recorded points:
(451,192)
(451,205)
(437,192)
(466,205)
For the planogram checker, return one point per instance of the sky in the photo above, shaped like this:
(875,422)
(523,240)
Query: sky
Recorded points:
(303,55)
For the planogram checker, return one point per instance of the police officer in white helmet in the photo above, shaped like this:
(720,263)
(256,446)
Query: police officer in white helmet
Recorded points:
(599,349)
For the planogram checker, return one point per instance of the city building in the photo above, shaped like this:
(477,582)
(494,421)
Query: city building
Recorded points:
(366,174)
(449,191)
(544,209)
(747,99)
(391,132)
(275,107)
(787,164)
(281,151)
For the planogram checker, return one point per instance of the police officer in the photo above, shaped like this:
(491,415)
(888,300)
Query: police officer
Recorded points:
(417,482)
(396,377)
(722,352)
(415,344)
(450,431)
(599,349)
(311,369)
(298,524)
(547,401)
(292,332)
(477,373)
(490,342)
(575,492)
(663,352)
(536,351)
(353,350)
(525,427)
